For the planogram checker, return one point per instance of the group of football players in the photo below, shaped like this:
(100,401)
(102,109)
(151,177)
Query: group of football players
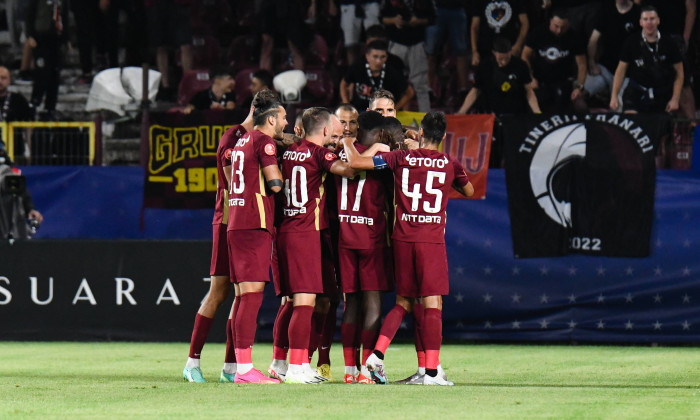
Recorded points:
(331,204)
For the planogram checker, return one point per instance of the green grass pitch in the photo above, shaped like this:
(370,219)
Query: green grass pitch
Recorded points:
(144,380)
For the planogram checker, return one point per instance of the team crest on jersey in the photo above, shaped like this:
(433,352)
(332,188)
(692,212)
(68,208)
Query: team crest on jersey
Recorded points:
(227,154)
(331,156)
(270,149)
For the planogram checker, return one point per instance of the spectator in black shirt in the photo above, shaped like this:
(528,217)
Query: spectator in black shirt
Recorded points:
(364,77)
(218,96)
(46,34)
(451,20)
(406,22)
(259,80)
(491,18)
(503,83)
(653,65)
(678,17)
(378,33)
(582,14)
(618,20)
(14,107)
(557,61)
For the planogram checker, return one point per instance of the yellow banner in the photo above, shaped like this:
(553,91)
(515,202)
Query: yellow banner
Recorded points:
(410,118)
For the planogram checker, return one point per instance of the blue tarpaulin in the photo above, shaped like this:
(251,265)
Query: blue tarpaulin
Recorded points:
(494,296)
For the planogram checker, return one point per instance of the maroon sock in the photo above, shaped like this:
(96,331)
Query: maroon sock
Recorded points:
(245,323)
(418,318)
(391,324)
(432,337)
(231,333)
(299,330)
(202,325)
(230,348)
(327,333)
(281,328)
(369,339)
(315,334)
(357,342)
(347,337)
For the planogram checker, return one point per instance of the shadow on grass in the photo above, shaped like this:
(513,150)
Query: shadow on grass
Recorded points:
(136,380)
(588,386)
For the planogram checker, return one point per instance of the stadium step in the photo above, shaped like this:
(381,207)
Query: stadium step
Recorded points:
(121,151)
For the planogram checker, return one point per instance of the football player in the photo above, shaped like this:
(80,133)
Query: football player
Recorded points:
(422,182)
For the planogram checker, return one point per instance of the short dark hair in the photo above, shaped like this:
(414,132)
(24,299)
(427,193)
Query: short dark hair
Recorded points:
(392,122)
(370,120)
(266,103)
(382,94)
(378,45)
(434,126)
(314,119)
(264,76)
(393,129)
(649,8)
(561,13)
(376,31)
(502,45)
(219,71)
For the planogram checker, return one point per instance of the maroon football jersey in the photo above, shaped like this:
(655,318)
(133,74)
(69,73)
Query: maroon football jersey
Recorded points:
(362,207)
(223,158)
(422,182)
(304,168)
(250,206)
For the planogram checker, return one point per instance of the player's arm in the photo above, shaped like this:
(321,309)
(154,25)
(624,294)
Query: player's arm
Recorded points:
(273,178)
(227,174)
(524,27)
(406,98)
(475,40)
(593,67)
(287,140)
(527,57)
(346,91)
(690,10)
(677,87)
(469,101)
(461,183)
(343,169)
(620,73)
(376,148)
(580,77)
(465,190)
(355,160)
(532,99)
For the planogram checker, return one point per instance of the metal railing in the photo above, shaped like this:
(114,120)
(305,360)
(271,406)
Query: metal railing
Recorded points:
(50,143)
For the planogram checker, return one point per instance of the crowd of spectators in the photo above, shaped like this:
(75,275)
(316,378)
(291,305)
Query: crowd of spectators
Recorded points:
(504,56)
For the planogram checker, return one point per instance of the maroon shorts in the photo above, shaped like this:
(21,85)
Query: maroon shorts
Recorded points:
(253,251)
(300,262)
(275,267)
(330,281)
(421,269)
(366,269)
(219,252)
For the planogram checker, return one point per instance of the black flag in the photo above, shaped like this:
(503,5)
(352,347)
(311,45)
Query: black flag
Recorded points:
(581,184)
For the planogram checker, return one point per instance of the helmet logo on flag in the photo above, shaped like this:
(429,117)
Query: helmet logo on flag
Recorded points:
(558,149)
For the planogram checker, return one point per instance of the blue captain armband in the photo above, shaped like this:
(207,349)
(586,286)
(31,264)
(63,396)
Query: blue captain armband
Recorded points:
(379,162)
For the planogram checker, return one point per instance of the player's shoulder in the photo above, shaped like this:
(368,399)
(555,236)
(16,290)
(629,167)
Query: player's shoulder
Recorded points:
(230,137)
(322,153)
(360,147)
